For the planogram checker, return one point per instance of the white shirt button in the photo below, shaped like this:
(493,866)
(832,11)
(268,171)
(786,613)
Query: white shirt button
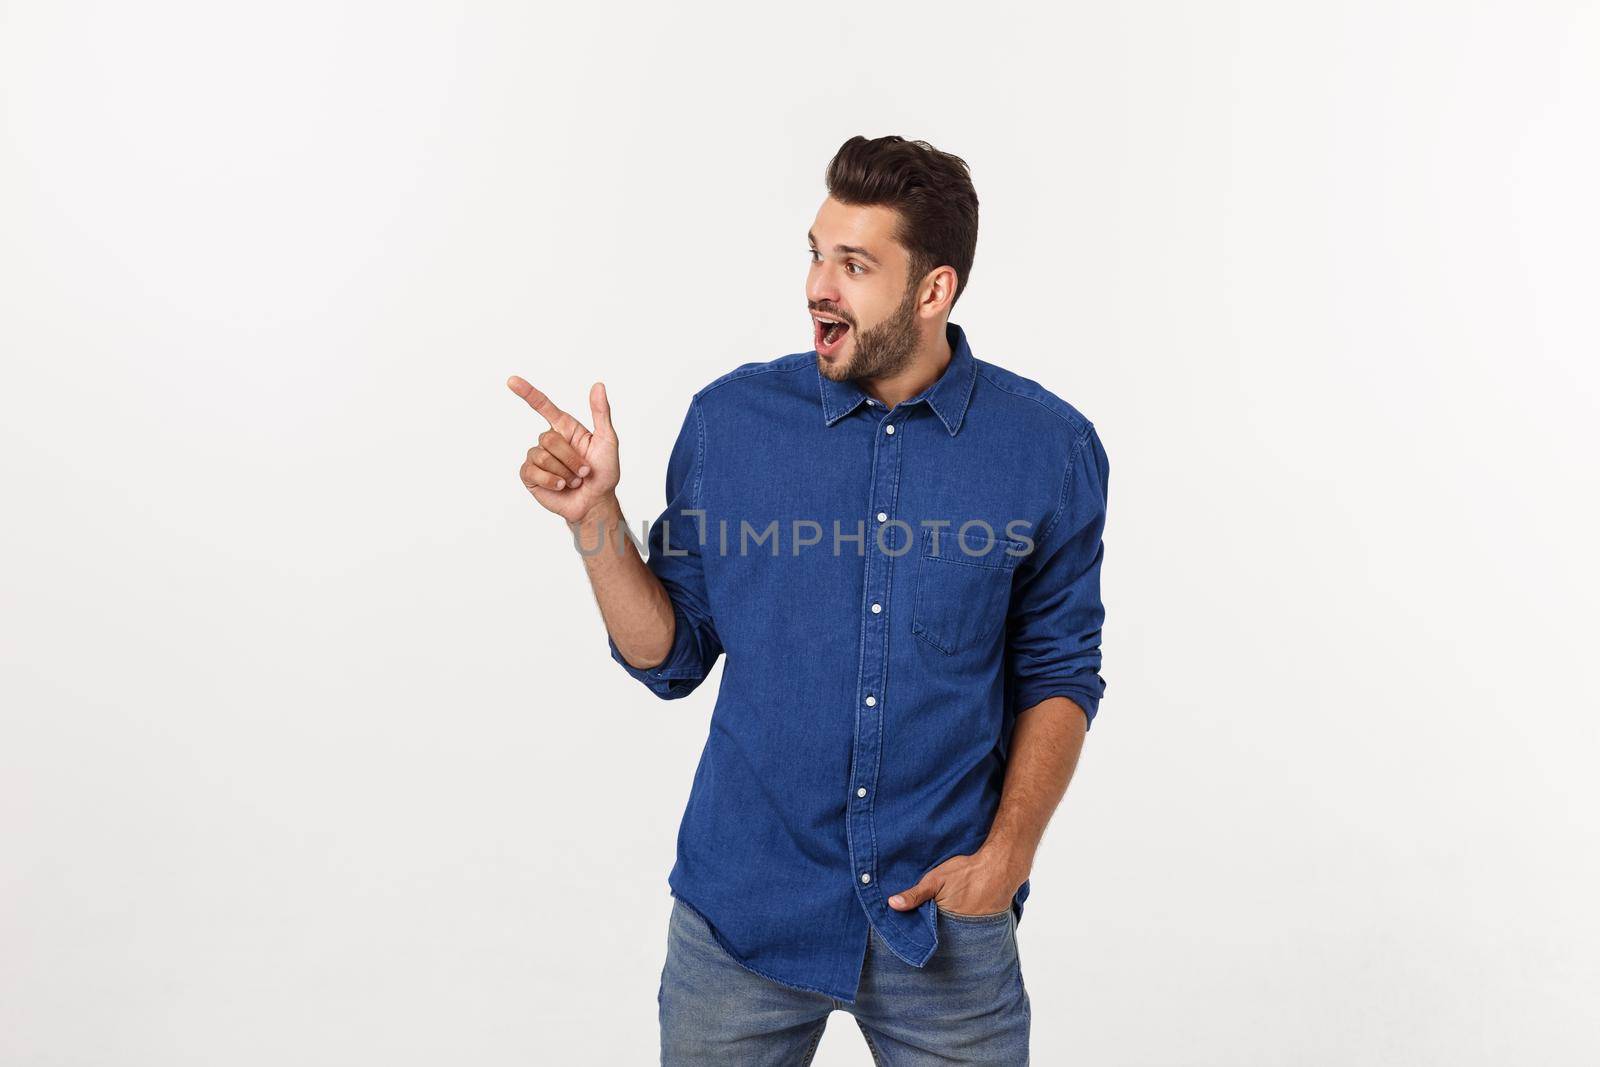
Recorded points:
(883,516)
(861,792)
(872,701)
(889,428)
(877,608)
(866,879)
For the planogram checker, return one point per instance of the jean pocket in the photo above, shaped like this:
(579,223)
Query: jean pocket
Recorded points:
(963,587)
(996,917)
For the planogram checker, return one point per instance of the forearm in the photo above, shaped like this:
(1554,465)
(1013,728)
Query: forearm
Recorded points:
(633,603)
(1045,745)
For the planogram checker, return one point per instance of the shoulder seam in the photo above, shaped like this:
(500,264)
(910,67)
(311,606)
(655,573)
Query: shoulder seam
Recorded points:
(738,373)
(1080,424)
(1066,483)
(699,449)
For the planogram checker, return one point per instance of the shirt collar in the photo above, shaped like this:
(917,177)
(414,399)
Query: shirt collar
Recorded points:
(948,397)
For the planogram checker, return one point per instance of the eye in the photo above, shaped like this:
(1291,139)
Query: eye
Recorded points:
(855,268)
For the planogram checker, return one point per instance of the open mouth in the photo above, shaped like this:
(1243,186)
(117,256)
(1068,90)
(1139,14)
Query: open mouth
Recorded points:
(828,334)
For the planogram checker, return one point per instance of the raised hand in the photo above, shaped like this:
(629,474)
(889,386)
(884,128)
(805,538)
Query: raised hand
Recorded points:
(572,468)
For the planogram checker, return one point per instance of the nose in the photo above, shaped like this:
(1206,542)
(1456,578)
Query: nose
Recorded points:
(822,286)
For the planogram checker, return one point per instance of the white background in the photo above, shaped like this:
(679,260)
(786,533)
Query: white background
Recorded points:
(310,748)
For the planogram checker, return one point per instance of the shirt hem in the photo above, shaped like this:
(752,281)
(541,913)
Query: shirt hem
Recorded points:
(733,955)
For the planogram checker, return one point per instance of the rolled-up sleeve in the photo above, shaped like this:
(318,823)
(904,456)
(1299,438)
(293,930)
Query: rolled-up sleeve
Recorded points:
(676,558)
(1053,646)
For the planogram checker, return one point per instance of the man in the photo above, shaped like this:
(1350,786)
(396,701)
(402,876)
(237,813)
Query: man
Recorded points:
(897,545)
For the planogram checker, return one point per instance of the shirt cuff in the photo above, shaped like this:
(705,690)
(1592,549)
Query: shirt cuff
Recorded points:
(1087,699)
(678,674)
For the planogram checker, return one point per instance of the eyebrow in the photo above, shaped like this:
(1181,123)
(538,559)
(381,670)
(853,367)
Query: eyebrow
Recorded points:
(847,249)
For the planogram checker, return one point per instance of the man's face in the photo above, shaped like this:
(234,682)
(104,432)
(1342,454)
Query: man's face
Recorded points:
(858,276)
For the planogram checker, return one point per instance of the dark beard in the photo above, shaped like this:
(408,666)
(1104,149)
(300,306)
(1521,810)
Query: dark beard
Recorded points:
(889,346)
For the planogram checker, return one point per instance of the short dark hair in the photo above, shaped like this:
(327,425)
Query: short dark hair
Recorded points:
(931,190)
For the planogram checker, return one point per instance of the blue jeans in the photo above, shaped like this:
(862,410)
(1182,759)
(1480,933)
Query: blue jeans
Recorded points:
(966,1006)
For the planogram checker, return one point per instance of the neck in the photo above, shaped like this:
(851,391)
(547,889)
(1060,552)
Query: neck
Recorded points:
(921,370)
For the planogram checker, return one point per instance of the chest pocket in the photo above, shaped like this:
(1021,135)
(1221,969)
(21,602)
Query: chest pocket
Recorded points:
(962,594)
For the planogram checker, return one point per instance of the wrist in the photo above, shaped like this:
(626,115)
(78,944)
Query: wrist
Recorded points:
(1009,856)
(604,513)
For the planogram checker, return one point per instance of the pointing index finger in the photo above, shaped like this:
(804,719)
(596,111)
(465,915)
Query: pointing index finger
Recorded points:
(536,400)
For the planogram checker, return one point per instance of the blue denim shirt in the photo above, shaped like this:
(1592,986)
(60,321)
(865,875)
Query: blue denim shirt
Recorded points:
(889,588)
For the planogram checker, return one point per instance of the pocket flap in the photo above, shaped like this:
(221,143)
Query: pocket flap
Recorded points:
(977,545)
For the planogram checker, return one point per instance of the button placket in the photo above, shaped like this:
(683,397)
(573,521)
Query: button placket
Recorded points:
(872,683)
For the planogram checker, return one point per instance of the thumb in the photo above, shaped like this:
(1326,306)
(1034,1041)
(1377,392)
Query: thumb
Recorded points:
(924,890)
(600,410)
